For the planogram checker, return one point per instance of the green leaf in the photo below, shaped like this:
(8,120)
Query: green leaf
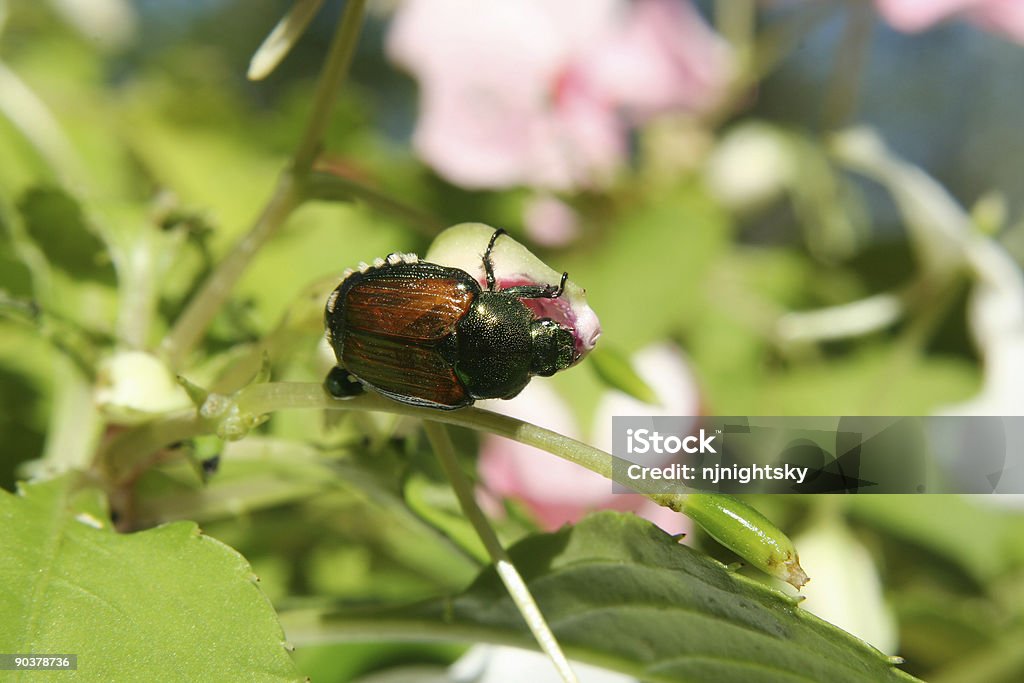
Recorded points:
(983,540)
(650,275)
(616,370)
(57,225)
(620,593)
(435,503)
(163,604)
(15,277)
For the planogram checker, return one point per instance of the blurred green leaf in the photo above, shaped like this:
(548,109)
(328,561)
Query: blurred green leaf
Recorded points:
(21,422)
(320,240)
(884,382)
(647,277)
(1001,663)
(877,381)
(164,602)
(616,370)
(15,278)
(623,594)
(436,504)
(939,627)
(55,222)
(983,540)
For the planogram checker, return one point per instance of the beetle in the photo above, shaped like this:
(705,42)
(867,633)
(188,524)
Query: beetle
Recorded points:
(428,335)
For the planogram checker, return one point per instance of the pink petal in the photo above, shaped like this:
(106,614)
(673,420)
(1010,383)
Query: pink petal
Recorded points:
(664,58)
(917,15)
(587,140)
(484,67)
(557,491)
(1001,16)
(1004,16)
(549,221)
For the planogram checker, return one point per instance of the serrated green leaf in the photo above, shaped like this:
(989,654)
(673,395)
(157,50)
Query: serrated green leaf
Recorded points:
(620,593)
(158,605)
(55,222)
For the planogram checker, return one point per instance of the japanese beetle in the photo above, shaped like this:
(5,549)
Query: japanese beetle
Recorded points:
(429,335)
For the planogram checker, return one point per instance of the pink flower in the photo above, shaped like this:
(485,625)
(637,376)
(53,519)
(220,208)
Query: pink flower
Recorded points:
(560,492)
(461,246)
(538,93)
(1001,16)
(549,221)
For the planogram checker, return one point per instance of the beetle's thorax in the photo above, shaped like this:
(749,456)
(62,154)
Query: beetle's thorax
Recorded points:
(494,346)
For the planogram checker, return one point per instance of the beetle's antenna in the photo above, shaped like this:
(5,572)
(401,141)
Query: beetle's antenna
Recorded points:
(488,266)
(561,285)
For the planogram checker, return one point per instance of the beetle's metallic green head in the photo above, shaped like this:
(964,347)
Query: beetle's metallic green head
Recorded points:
(553,347)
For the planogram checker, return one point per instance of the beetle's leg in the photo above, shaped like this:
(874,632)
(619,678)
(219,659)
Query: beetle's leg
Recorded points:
(561,285)
(538,291)
(488,265)
(341,384)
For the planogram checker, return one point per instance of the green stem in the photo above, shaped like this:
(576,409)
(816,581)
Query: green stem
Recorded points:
(264,398)
(124,452)
(191,325)
(844,87)
(139,277)
(933,299)
(75,422)
(122,455)
(333,188)
(735,524)
(290,192)
(333,75)
(510,576)
(736,20)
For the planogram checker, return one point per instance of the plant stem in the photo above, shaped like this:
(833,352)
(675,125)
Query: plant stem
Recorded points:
(123,454)
(844,87)
(74,421)
(125,451)
(264,398)
(333,75)
(290,192)
(329,187)
(191,325)
(510,576)
(735,20)
(139,276)
(723,517)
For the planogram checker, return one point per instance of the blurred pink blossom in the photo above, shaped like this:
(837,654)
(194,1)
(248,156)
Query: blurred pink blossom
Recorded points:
(549,221)
(540,93)
(559,492)
(1001,16)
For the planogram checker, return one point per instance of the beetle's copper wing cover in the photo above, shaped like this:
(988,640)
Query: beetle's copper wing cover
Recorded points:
(387,325)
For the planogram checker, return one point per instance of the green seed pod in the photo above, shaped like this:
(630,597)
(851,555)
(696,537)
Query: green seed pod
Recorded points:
(743,530)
